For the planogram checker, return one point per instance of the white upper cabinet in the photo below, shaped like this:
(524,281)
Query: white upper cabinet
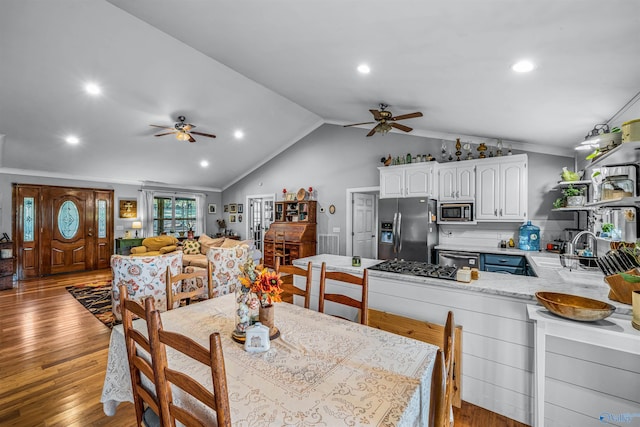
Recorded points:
(502,189)
(412,180)
(457,181)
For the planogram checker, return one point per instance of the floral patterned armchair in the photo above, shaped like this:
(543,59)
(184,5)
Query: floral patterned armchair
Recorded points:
(225,268)
(144,276)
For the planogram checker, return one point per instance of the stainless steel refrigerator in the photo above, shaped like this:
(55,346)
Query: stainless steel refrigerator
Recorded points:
(407,229)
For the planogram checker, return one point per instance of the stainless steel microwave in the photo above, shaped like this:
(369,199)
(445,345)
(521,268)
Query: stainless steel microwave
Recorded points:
(460,212)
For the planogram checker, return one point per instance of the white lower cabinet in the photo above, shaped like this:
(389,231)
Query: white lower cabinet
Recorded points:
(501,189)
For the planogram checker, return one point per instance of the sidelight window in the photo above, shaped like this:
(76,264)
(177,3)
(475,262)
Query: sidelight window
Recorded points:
(102,219)
(29,219)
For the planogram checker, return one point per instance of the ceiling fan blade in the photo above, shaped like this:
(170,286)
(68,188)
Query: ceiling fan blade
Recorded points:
(358,124)
(163,134)
(376,114)
(401,127)
(210,135)
(191,139)
(371,132)
(162,127)
(408,116)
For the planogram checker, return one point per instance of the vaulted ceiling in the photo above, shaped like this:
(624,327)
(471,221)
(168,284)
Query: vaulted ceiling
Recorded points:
(279,69)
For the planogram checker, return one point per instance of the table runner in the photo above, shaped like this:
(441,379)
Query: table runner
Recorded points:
(322,371)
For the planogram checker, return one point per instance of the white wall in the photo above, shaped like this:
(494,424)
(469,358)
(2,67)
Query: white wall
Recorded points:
(332,159)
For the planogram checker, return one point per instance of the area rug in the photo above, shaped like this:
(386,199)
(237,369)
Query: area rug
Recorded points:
(96,297)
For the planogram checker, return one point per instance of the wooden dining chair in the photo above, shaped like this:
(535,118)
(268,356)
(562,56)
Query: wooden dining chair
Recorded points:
(448,348)
(432,333)
(439,414)
(140,364)
(217,399)
(280,251)
(340,276)
(186,296)
(288,288)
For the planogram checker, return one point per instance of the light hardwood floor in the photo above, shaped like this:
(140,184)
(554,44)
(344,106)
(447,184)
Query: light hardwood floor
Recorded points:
(53,355)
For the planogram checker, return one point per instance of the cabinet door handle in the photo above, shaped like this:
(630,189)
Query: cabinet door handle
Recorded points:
(453,195)
(495,212)
(500,211)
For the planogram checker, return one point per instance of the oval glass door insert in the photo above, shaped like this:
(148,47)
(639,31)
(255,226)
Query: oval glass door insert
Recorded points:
(68,219)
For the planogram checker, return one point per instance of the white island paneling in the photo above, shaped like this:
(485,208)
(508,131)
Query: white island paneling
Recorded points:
(498,342)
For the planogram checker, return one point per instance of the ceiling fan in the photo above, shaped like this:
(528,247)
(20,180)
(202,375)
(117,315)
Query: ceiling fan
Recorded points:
(182,131)
(385,121)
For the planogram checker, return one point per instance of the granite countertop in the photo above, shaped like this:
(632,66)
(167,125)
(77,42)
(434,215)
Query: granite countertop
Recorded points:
(552,277)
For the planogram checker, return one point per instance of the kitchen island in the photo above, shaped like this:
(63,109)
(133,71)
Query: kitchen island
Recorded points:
(582,380)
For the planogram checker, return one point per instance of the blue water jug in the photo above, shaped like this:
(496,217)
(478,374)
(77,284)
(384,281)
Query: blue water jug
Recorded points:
(529,237)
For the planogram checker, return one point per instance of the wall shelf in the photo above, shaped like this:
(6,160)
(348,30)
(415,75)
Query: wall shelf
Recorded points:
(563,184)
(630,202)
(573,209)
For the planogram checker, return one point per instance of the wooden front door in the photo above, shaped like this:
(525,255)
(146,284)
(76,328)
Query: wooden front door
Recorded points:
(69,229)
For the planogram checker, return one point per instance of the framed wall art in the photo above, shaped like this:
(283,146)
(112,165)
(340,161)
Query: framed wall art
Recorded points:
(232,218)
(240,208)
(212,208)
(233,208)
(128,208)
(226,208)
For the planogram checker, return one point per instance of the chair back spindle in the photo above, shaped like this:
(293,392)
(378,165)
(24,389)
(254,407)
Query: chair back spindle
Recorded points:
(289,289)
(362,305)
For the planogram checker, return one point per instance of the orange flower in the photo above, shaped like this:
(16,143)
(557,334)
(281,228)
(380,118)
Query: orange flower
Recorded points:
(268,287)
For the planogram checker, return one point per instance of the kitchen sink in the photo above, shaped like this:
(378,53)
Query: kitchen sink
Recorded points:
(581,276)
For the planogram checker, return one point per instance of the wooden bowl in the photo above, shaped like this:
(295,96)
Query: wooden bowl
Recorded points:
(575,307)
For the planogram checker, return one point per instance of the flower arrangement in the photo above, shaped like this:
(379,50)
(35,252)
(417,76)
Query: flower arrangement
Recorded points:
(258,289)
(264,284)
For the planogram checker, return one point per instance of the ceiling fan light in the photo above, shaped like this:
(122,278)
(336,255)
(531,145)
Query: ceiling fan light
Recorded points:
(182,136)
(384,128)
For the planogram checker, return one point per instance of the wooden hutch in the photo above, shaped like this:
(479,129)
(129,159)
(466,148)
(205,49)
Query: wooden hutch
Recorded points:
(293,232)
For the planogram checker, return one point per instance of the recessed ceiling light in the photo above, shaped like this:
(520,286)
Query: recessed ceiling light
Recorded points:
(238,134)
(92,89)
(523,66)
(204,163)
(364,69)
(72,140)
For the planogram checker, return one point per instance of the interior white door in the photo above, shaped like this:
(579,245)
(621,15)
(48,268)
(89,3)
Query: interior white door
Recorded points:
(260,218)
(364,231)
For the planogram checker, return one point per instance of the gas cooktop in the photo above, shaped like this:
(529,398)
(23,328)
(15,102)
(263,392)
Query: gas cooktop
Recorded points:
(417,268)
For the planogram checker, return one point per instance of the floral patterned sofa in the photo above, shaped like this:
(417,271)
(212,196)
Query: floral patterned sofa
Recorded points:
(144,276)
(225,270)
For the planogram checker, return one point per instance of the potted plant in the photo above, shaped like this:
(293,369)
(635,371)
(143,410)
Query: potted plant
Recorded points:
(574,196)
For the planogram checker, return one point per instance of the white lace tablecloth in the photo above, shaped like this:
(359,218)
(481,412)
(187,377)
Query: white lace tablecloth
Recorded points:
(321,371)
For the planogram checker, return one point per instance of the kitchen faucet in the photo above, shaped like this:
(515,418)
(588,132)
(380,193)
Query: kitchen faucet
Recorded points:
(573,243)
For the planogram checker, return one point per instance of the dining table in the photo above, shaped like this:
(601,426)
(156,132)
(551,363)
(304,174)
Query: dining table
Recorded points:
(320,371)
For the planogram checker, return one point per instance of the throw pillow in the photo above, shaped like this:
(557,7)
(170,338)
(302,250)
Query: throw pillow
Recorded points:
(207,242)
(191,247)
(230,243)
(167,249)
